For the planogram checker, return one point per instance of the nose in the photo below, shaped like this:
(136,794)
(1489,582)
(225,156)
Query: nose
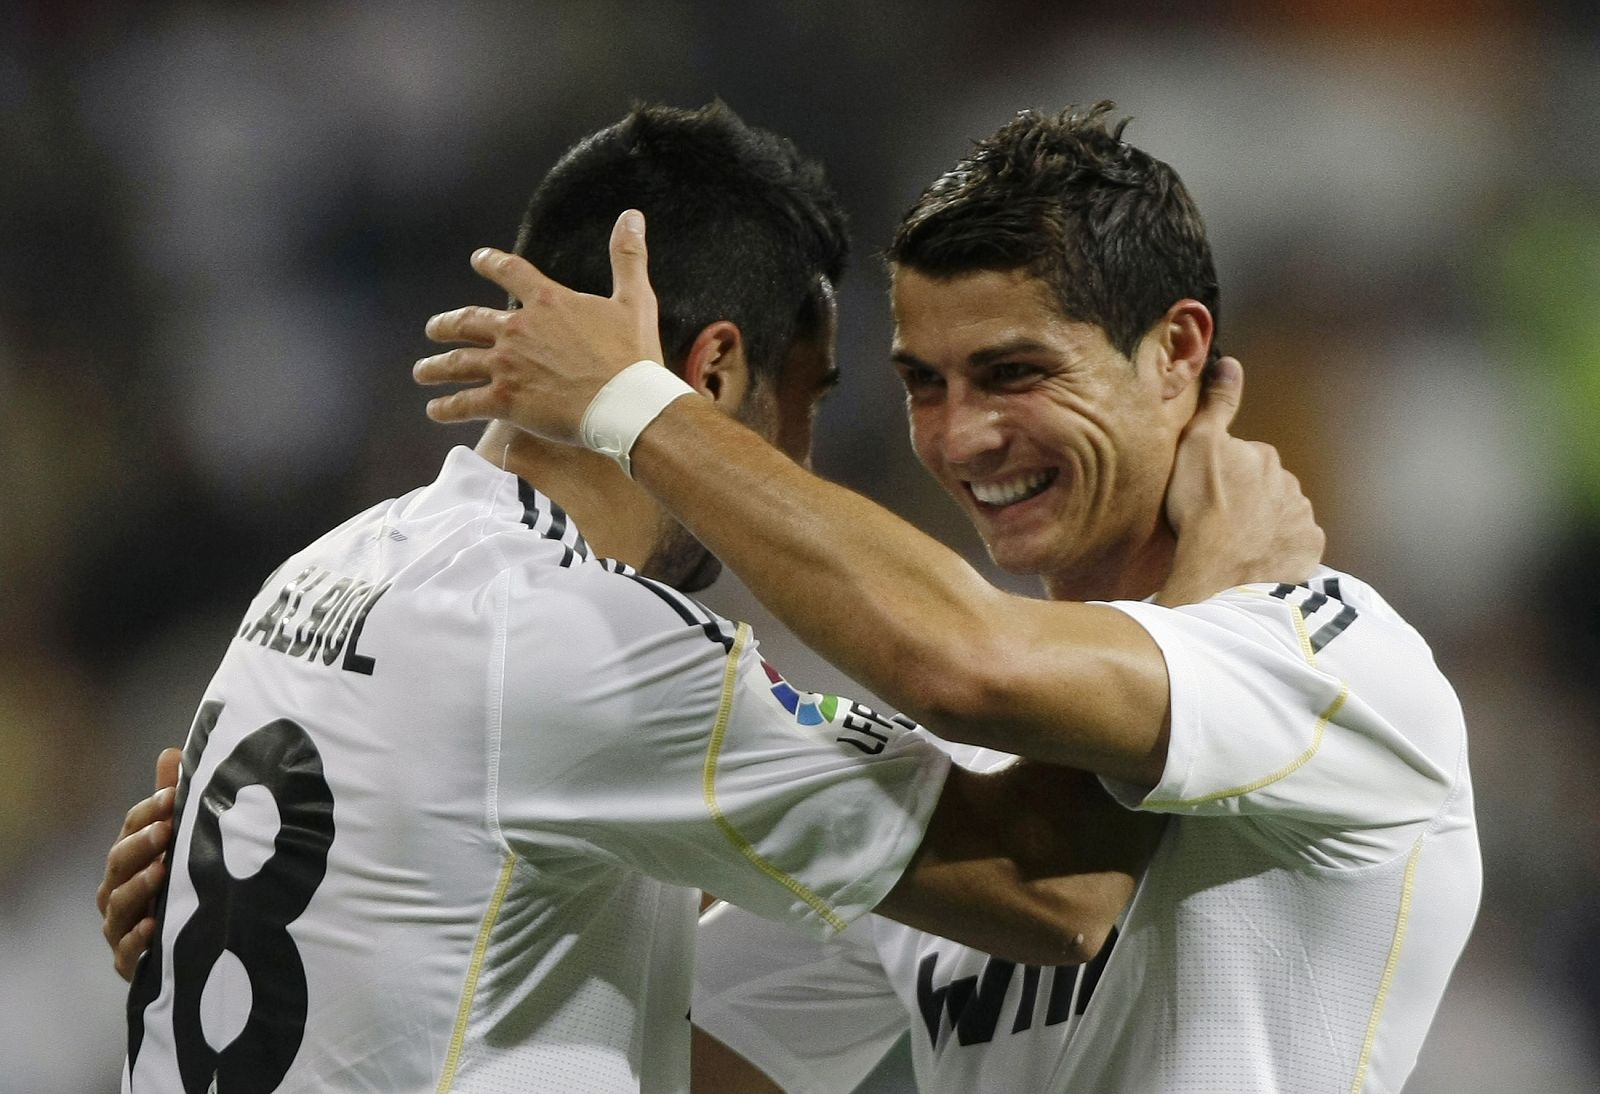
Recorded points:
(972,433)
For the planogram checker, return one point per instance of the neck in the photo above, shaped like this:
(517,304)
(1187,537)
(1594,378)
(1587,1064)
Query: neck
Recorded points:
(1119,573)
(619,520)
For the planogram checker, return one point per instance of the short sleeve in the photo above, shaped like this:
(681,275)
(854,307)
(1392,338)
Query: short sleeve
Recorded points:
(639,728)
(1267,722)
(815,1016)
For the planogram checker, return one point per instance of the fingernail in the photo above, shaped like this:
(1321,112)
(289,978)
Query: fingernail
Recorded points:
(481,255)
(633,221)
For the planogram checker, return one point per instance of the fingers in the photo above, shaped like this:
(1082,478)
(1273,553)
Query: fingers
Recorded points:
(1220,394)
(157,807)
(457,366)
(132,945)
(146,831)
(630,261)
(135,870)
(1267,454)
(480,326)
(167,766)
(515,275)
(130,902)
(145,835)
(475,404)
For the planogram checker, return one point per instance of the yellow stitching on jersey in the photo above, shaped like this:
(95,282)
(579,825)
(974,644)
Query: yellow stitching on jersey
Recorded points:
(1267,780)
(1299,622)
(1388,968)
(1295,618)
(452,1058)
(730,679)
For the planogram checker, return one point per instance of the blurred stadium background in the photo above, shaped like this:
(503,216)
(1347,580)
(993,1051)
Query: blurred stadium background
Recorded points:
(223,224)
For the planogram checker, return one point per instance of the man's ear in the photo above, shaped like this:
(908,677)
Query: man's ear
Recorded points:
(716,367)
(1182,339)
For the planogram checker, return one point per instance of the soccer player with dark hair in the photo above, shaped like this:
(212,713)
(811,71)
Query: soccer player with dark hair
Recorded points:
(448,799)
(1055,318)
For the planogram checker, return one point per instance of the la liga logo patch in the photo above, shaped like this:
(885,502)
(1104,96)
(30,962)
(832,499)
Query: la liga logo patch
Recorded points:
(808,708)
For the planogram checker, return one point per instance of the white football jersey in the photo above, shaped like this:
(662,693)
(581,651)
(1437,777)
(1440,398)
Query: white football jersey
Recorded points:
(1294,931)
(447,801)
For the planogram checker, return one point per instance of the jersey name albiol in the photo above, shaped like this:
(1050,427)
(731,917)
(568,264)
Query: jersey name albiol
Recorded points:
(317,616)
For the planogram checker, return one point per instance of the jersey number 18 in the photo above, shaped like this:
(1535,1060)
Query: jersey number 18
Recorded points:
(248,917)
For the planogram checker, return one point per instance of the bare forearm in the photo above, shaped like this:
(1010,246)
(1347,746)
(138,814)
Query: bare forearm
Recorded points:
(1033,863)
(792,536)
(717,1069)
(897,610)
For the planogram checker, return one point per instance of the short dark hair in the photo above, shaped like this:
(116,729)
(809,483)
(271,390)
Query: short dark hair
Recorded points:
(741,225)
(1109,228)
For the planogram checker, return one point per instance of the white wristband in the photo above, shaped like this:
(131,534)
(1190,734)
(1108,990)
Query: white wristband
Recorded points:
(630,400)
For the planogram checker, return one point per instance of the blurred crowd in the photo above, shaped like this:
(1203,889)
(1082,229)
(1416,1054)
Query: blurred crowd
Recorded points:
(222,225)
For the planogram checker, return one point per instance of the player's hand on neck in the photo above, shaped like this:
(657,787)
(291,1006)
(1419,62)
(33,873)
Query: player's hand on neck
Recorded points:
(1240,517)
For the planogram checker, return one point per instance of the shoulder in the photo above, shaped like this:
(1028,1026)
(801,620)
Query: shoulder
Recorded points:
(606,601)
(1332,613)
(1332,634)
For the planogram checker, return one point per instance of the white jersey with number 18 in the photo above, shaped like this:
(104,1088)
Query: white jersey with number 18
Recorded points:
(447,799)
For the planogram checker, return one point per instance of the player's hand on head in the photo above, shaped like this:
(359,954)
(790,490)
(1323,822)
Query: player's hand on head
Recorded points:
(135,868)
(538,366)
(1239,515)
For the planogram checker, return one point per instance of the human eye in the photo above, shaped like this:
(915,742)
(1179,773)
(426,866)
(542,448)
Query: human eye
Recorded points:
(918,377)
(827,386)
(1013,373)
(1008,371)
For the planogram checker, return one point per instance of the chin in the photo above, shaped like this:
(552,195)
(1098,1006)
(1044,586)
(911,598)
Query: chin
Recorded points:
(702,575)
(681,561)
(1017,559)
(686,571)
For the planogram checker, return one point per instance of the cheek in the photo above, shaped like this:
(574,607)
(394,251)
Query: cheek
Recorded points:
(924,440)
(795,433)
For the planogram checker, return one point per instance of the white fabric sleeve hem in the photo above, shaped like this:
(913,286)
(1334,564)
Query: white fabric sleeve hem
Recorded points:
(866,893)
(1181,687)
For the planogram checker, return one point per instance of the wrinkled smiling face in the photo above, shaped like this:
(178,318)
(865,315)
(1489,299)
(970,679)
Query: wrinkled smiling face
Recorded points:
(1056,446)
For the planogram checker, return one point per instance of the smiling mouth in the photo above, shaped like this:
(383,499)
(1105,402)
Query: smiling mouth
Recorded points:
(998,495)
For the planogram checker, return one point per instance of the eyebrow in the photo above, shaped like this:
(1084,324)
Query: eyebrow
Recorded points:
(988,355)
(1015,348)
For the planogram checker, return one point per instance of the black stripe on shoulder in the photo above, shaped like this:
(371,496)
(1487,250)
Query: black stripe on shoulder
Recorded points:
(536,507)
(1326,634)
(1330,585)
(530,503)
(573,539)
(686,610)
(1282,591)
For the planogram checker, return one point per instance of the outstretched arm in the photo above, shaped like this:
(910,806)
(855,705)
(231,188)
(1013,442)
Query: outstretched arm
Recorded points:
(1075,684)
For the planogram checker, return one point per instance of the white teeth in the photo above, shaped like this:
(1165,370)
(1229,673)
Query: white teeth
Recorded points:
(1010,491)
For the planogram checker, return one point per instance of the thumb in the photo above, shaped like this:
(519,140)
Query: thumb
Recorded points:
(1220,394)
(167,768)
(630,261)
